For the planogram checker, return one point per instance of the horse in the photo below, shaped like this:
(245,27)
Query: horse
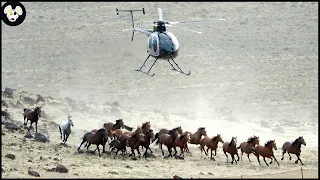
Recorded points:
(118,125)
(196,137)
(293,148)
(95,138)
(231,148)
(182,142)
(133,140)
(65,129)
(169,140)
(146,127)
(32,115)
(166,131)
(247,146)
(146,143)
(119,145)
(266,151)
(211,143)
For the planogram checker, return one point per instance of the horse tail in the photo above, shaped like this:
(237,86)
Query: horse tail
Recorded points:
(239,146)
(24,109)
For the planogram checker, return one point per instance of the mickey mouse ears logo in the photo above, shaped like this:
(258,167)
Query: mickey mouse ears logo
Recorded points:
(13,13)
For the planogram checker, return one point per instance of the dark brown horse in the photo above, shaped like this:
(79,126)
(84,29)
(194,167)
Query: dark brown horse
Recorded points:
(146,127)
(119,145)
(166,131)
(133,140)
(32,115)
(231,148)
(196,137)
(148,138)
(98,138)
(109,136)
(266,151)
(182,143)
(211,143)
(247,146)
(169,140)
(113,126)
(293,148)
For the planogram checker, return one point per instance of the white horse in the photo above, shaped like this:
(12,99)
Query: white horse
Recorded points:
(65,128)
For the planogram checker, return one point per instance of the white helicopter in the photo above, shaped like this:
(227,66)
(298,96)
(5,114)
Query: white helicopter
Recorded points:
(161,43)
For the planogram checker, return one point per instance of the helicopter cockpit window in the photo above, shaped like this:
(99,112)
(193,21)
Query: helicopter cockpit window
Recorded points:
(154,44)
(150,43)
(165,42)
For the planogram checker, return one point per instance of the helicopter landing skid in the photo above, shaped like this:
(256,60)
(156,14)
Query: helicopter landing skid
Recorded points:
(145,72)
(180,71)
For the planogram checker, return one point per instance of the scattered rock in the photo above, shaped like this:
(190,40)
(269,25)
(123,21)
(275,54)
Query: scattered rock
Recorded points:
(19,105)
(41,138)
(127,166)
(61,169)
(8,92)
(33,173)
(76,174)
(51,170)
(28,136)
(178,157)
(165,157)
(2,133)
(177,177)
(3,104)
(29,100)
(56,159)
(21,131)
(113,172)
(29,160)
(13,144)
(40,98)
(134,158)
(10,156)
(6,115)
(115,104)
(210,173)
(201,173)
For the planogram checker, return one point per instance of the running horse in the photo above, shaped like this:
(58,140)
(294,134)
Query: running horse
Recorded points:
(32,115)
(231,148)
(169,140)
(98,138)
(247,146)
(146,127)
(211,143)
(293,148)
(166,131)
(266,151)
(182,143)
(196,137)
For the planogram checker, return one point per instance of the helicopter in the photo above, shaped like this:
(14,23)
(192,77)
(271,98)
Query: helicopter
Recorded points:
(161,43)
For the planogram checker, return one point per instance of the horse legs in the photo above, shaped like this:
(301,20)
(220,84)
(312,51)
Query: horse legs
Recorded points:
(181,151)
(226,155)
(265,161)
(24,120)
(175,150)
(66,138)
(83,141)
(60,133)
(248,157)
(161,149)
(89,144)
(36,127)
(30,126)
(139,152)
(289,156)
(258,159)
(212,158)
(215,152)
(116,153)
(298,156)
(169,149)
(238,156)
(242,155)
(132,152)
(233,159)
(145,153)
(98,150)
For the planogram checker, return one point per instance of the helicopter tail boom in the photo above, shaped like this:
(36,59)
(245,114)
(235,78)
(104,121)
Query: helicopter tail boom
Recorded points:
(132,21)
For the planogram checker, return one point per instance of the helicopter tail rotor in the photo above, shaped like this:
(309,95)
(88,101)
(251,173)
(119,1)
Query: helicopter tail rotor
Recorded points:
(132,21)
(160,14)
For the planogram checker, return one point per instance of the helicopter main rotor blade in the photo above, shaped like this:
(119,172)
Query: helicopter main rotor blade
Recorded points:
(160,14)
(198,32)
(209,20)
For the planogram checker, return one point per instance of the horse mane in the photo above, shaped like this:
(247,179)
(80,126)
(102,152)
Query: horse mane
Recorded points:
(250,139)
(100,130)
(267,143)
(296,141)
(200,128)
(214,138)
(117,122)
(182,136)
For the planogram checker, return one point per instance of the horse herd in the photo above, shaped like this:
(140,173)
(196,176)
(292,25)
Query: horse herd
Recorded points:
(122,136)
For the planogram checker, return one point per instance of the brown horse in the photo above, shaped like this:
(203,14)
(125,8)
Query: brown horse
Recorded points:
(118,125)
(119,145)
(196,137)
(109,134)
(166,131)
(146,127)
(98,138)
(32,115)
(182,143)
(211,143)
(293,148)
(266,151)
(148,138)
(169,140)
(247,146)
(133,140)
(231,148)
